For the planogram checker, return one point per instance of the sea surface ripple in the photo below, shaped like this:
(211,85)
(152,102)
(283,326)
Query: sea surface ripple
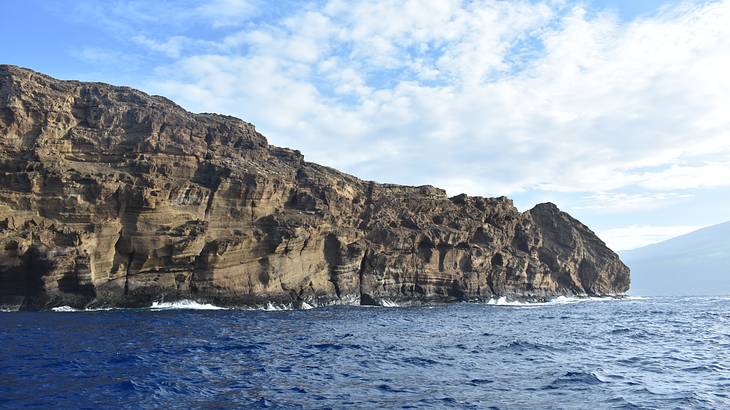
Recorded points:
(645,353)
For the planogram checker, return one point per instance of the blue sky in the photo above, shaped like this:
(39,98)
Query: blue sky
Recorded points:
(617,111)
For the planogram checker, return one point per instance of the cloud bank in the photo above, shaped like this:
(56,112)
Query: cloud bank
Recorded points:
(484,97)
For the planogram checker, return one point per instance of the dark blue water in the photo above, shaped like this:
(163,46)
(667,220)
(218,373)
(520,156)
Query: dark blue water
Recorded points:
(651,353)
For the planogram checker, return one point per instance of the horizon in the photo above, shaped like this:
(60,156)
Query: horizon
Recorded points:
(539,101)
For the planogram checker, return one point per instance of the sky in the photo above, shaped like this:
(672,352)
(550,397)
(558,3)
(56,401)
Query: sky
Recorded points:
(617,111)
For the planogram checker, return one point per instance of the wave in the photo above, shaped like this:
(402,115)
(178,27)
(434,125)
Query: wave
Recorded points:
(560,300)
(156,306)
(503,301)
(524,345)
(346,300)
(184,304)
(65,309)
(282,307)
(380,303)
(187,304)
(570,379)
(272,307)
(71,309)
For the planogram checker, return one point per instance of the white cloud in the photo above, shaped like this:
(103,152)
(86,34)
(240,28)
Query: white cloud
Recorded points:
(487,97)
(636,236)
(625,202)
(171,47)
(102,56)
(682,176)
(225,13)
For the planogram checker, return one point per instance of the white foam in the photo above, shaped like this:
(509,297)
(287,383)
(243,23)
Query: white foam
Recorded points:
(64,309)
(353,300)
(272,307)
(502,301)
(560,300)
(184,304)
(70,309)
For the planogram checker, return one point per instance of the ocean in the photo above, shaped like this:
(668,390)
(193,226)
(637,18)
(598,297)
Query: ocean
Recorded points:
(596,353)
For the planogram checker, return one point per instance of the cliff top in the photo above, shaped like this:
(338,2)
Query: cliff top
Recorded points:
(23,83)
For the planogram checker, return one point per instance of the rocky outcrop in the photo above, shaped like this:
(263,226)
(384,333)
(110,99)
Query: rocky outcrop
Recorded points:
(111,197)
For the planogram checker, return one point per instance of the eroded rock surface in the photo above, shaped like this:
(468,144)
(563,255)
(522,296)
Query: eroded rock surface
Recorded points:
(112,197)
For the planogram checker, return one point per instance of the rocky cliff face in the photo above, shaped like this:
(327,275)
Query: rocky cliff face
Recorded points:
(111,197)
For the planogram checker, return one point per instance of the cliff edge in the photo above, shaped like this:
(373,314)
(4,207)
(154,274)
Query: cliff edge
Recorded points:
(112,197)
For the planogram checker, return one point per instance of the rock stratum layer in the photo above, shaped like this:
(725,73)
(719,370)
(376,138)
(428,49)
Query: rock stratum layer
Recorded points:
(112,197)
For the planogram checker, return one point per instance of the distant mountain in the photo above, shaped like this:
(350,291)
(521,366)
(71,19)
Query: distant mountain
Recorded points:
(697,263)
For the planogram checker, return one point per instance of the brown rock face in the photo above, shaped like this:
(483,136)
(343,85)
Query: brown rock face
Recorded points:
(111,197)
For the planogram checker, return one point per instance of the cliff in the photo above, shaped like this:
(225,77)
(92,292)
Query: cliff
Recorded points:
(112,197)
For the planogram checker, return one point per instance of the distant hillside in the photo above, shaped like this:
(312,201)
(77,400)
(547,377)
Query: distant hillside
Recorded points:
(697,263)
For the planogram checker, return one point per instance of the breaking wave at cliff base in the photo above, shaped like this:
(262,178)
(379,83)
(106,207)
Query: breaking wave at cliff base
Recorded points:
(188,304)
(184,304)
(560,300)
